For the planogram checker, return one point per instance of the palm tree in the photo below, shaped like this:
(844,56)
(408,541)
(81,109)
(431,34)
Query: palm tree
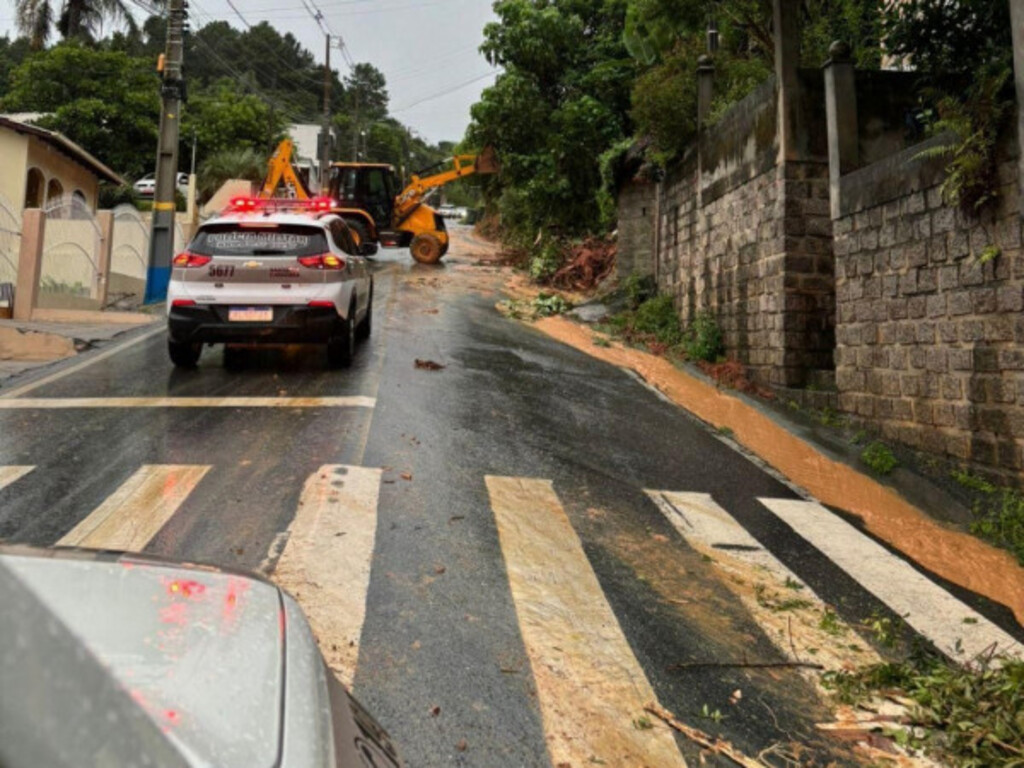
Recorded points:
(34,20)
(234,163)
(81,19)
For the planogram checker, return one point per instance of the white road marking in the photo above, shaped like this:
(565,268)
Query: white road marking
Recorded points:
(956,629)
(764,584)
(47,403)
(699,518)
(136,511)
(325,564)
(118,348)
(10,474)
(590,686)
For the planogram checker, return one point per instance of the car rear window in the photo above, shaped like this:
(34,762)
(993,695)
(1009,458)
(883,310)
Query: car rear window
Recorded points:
(264,239)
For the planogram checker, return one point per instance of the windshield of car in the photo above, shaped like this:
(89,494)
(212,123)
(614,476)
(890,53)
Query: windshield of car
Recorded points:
(235,239)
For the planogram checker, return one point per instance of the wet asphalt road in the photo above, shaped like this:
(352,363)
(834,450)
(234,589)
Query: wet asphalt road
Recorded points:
(509,402)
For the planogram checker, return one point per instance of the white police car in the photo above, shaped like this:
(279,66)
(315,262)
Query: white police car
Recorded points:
(270,272)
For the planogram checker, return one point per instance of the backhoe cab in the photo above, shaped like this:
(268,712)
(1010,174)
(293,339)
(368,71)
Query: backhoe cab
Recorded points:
(370,198)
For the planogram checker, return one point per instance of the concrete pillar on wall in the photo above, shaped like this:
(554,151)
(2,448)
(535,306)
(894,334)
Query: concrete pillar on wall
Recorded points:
(705,88)
(105,222)
(705,93)
(786,21)
(1017,22)
(30,263)
(841,116)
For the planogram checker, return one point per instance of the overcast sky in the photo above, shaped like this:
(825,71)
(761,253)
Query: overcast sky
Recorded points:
(425,48)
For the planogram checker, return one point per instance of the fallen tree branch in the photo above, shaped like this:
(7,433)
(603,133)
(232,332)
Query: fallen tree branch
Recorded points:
(744,664)
(716,745)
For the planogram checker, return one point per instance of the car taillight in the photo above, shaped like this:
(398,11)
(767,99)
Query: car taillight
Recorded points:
(187,259)
(322,261)
(183,303)
(322,304)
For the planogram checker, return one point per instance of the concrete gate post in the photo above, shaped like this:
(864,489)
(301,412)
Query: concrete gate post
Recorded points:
(786,19)
(1017,22)
(30,263)
(705,88)
(705,93)
(841,116)
(105,222)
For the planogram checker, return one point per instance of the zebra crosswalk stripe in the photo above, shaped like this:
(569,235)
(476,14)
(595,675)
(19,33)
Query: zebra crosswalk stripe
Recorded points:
(764,584)
(953,627)
(136,511)
(590,686)
(325,563)
(12,473)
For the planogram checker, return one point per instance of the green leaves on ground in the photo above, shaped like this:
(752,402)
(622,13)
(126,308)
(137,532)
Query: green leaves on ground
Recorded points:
(972,717)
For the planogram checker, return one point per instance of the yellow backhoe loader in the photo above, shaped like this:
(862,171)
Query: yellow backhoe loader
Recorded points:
(368,197)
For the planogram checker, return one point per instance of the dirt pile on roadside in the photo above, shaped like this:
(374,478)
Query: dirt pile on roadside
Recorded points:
(588,264)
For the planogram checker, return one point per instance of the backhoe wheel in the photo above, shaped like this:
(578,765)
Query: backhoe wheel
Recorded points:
(426,249)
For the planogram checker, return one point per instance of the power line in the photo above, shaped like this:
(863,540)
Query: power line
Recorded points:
(438,95)
(268,49)
(290,109)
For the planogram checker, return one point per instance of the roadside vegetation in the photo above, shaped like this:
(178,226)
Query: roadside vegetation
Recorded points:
(244,88)
(595,92)
(998,512)
(965,715)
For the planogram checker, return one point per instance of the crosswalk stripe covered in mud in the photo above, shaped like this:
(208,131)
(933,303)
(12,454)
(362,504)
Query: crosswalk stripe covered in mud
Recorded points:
(590,686)
(136,511)
(11,474)
(956,629)
(800,625)
(325,563)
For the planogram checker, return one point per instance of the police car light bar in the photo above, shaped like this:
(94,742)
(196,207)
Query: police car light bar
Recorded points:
(253,204)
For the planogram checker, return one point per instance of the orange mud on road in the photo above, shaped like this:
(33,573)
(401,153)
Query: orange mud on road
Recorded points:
(955,556)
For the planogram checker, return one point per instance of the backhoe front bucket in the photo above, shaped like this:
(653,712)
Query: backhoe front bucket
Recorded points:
(487,161)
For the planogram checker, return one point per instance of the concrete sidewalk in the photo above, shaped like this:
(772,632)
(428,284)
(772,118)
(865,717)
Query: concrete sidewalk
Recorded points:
(26,345)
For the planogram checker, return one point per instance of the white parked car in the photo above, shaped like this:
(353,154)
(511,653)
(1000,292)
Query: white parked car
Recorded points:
(146,186)
(270,273)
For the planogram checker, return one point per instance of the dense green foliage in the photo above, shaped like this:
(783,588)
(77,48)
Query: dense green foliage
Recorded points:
(584,80)
(244,87)
(106,101)
(562,100)
(581,77)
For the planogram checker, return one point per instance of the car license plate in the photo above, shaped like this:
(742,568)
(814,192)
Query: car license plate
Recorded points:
(250,314)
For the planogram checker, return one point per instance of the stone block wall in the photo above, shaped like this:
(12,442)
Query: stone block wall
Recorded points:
(749,239)
(930,337)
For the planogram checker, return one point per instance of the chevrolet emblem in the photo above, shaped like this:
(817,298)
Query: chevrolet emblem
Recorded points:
(252,265)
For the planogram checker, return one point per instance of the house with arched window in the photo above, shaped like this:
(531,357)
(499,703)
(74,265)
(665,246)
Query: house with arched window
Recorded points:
(42,165)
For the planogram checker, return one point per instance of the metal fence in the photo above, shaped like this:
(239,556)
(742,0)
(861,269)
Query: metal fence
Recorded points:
(129,257)
(69,276)
(10,242)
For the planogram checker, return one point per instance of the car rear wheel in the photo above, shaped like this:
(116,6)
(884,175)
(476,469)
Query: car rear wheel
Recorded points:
(184,355)
(366,326)
(342,348)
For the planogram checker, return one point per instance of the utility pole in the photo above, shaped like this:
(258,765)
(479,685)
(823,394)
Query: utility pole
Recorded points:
(325,150)
(161,240)
(355,125)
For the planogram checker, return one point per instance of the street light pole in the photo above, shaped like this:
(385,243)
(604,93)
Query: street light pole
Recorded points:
(325,150)
(161,240)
